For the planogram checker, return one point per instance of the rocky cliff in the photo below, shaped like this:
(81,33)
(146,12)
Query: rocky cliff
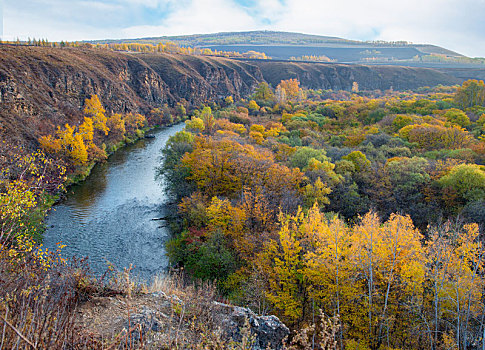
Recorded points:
(341,76)
(44,87)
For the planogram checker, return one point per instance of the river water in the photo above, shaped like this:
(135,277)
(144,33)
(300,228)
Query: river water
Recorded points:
(109,216)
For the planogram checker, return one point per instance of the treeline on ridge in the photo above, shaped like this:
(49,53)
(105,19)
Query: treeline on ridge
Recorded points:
(161,47)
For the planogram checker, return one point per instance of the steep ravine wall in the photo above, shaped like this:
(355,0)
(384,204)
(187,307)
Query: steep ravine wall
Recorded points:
(44,87)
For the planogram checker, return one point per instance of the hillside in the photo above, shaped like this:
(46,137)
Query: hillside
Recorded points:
(341,77)
(284,45)
(276,38)
(41,88)
(252,37)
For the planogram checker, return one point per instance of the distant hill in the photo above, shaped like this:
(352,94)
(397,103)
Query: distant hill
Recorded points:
(236,38)
(286,45)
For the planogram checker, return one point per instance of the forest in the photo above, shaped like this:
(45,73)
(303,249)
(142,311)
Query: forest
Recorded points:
(355,216)
(368,206)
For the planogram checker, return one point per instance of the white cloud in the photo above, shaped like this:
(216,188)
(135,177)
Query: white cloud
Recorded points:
(454,24)
(440,22)
(201,16)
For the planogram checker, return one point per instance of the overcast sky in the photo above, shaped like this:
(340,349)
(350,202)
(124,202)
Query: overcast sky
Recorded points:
(455,24)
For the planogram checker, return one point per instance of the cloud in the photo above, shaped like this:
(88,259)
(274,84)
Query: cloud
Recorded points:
(201,16)
(454,24)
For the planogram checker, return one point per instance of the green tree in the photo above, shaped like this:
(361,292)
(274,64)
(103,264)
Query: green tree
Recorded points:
(458,117)
(468,180)
(359,159)
(208,119)
(301,158)
(263,93)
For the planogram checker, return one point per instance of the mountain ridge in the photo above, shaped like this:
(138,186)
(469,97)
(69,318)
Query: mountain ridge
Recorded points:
(267,37)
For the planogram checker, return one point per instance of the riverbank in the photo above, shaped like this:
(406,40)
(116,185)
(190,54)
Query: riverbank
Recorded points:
(82,173)
(86,171)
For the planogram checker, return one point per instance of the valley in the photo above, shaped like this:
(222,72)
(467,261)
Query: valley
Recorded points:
(170,200)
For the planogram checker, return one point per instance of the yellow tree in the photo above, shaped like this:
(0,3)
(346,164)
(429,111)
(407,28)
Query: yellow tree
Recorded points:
(456,274)
(283,262)
(229,100)
(331,277)
(94,109)
(391,262)
(230,220)
(116,125)
(253,106)
(72,144)
(86,130)
(316,193)
(291,88)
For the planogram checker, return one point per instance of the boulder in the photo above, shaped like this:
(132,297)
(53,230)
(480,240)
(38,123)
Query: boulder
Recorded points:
(266,331)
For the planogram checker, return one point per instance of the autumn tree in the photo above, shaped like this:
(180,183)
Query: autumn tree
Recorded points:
(291,88)
(72,144)
(471,93)
(134,122)
(283,261)
(458,117)
(229,100)
(208,119)
(116,125)
(253,106)
(25,179)
(94,109)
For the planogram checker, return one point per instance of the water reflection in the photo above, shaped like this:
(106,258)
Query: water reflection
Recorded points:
(109,216)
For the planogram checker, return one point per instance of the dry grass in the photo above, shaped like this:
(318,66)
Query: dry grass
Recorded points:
(37,303)
(322,335)
(170,313)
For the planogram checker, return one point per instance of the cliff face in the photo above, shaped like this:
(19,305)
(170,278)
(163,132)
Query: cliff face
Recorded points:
(200,79)
(341,76)
(44,87)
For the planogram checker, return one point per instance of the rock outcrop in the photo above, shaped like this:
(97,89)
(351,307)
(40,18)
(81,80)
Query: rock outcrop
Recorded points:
(268,331)
(161,320)
(341,76)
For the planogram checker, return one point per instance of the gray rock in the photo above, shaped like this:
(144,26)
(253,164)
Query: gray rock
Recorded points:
(147,319)
(268,331)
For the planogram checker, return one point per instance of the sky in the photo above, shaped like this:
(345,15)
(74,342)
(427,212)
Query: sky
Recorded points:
(458,25)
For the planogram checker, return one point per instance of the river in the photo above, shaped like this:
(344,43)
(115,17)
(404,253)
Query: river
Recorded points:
(109,216)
